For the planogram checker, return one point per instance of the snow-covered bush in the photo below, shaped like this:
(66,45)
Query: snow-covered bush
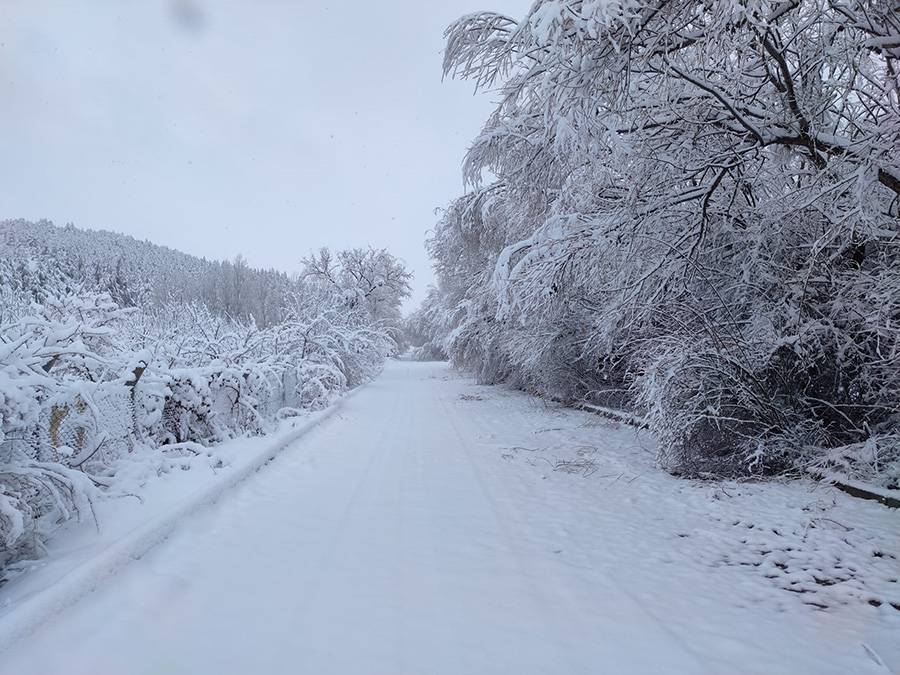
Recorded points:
(693,212)
(48,358)
(35,497)
(874,462)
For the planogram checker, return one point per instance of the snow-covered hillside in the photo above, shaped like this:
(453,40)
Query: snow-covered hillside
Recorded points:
(139,273)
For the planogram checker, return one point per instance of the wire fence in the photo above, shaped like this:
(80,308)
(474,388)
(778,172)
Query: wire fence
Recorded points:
(92,424)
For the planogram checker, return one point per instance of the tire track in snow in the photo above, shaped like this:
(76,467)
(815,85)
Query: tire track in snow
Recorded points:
(565,585)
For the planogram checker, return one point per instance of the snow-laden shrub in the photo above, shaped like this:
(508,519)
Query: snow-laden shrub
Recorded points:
(709,415)
(35,498)
(318,384)
(875,461)
(188,410)
(21,390)
(41,354)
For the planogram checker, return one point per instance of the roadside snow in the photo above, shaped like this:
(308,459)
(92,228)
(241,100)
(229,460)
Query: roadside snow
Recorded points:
(437,526)
(156,493)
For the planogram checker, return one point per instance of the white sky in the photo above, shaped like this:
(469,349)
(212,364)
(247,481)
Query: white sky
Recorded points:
(264,127)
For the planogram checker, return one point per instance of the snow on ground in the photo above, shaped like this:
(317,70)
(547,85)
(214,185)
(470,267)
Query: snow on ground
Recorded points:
(436,526)
(155,492)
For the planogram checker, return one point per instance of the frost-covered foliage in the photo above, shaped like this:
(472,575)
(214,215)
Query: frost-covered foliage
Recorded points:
(692,210)
(370,280)
(424,330)
(86,382)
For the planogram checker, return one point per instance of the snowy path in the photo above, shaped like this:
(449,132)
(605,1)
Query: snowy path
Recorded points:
(416,533)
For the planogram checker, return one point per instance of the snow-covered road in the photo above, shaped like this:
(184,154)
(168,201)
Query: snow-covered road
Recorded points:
(424,530)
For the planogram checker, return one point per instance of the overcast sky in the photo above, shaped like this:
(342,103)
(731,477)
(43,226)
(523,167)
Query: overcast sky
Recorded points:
(217,127)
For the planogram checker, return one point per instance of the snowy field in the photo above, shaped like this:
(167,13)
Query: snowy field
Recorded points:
(431,525)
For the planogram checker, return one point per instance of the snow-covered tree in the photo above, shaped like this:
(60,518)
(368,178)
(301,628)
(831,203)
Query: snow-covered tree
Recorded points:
(424,330)
(692,209)
(368,278)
